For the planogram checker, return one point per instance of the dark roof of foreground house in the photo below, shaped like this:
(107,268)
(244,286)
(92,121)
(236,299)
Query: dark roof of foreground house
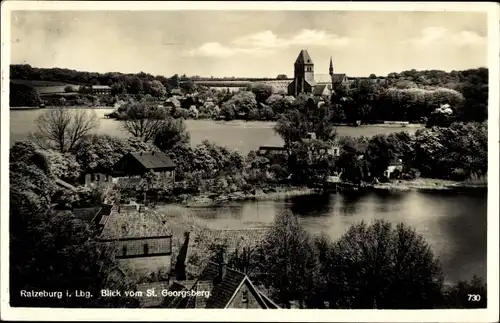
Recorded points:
(86,214)
(153,159)
(128,223)
(151,301)
(221,292)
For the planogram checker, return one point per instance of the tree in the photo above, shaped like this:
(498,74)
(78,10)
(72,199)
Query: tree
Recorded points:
(157,89)
(143,119)
(135,85)
(309,163)
(277,103)
(77,262)
(378,266)
(262,91)
(23,96)
(25,152)
(69,89)
(101,152)
(61,129)
(172,134)
(63,165)
(296,124)
(289,261)
(241,103)
(458,295)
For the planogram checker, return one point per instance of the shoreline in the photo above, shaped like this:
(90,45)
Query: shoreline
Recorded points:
(204,200)
(428,184)
(207,201)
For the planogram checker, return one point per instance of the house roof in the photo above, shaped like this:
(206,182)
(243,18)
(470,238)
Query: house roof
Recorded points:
(303,58)
(152,160)
(133,224)
(151,301)
(319,89)
(338,78)
(62,184)
(174,101)
(176,91)
(101,87)
(221,294)
(86,213)
(269,303)
(323,78)
(104,211)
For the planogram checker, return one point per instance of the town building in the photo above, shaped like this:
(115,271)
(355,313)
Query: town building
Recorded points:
(305,81)
(227,288)
(268,150)
(395,165)
(101,89)
(132,165)
(139,238)
(136,164)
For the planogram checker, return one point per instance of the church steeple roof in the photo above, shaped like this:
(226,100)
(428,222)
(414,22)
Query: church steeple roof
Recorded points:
(303,58)
(331,66)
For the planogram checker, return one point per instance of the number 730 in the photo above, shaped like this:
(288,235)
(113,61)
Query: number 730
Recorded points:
(474,297)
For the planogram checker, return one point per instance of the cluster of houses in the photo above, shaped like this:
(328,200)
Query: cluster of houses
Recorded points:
(142,243)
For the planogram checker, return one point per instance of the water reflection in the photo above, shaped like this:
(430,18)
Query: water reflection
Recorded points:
(312,205)
(454,224)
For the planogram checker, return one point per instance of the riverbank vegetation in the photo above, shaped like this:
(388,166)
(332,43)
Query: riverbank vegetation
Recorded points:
(413,96)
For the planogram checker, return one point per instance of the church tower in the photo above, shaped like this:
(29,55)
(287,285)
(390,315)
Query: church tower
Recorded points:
(303,76)
(331,67)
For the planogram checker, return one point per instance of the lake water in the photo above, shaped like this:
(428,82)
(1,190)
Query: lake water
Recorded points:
(454,224)
(237,135)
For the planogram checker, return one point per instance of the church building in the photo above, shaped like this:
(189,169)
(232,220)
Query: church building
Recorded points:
(305,81)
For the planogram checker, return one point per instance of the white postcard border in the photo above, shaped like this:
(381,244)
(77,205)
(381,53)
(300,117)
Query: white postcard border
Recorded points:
(490,314)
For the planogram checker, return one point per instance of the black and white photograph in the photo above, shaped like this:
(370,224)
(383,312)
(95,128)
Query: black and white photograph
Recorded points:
(223,155)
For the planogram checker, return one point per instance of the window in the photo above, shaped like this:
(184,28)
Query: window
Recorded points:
(124,250)
(244,296)
(146,248)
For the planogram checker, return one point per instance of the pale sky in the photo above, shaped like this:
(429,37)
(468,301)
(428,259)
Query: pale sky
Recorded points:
(248,43)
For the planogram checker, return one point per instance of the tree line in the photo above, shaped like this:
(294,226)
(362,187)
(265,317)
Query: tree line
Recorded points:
(414,96)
